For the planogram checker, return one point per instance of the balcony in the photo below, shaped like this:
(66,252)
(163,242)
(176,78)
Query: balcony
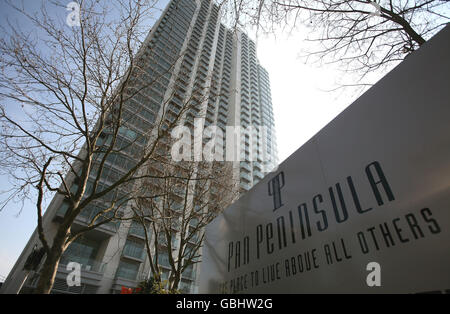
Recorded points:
(223,111)
(162,241)
(245,186)
(222,119)
(86,216)
(193,222)
(127,277)
(163,260)
(209,118)
(258,175)
(189,274)
(89,265)
(128,274)
(137,230)
(246,177)
(194,239)
(257,166)
(246,166)
(133,251)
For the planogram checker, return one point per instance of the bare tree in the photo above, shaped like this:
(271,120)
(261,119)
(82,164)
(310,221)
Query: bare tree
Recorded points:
(72,99)
(191,195)
(362,36)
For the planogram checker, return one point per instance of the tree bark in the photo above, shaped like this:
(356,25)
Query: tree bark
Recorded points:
(50,267)
(175,281)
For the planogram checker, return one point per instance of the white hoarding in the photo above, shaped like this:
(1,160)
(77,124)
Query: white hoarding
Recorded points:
(362,207)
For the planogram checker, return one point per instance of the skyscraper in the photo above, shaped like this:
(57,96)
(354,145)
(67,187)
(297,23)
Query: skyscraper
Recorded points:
(190,52)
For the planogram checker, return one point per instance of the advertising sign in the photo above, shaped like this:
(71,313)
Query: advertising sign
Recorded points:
(362,207)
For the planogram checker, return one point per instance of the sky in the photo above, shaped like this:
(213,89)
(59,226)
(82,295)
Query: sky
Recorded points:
(301,103)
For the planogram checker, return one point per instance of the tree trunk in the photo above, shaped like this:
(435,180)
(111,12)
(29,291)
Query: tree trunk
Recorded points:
(50,267)
(175,283)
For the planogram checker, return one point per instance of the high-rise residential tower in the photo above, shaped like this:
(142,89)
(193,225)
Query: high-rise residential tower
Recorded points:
(188,49)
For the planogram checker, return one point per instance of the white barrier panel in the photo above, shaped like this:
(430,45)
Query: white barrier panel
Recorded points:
(363,207)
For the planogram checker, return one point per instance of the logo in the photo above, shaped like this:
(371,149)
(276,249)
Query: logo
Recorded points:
(73,279)
(73,18)
(275,186)
(374,277)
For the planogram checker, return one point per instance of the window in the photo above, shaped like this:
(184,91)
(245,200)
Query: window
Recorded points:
(134,249)
(137,229)
(82,251)
(127,270)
